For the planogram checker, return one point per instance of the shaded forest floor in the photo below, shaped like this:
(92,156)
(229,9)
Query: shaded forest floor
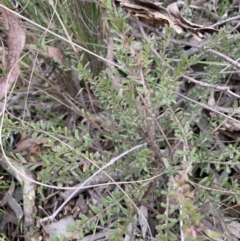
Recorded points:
(120,120)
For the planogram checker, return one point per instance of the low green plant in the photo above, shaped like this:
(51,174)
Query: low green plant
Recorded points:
(139,102)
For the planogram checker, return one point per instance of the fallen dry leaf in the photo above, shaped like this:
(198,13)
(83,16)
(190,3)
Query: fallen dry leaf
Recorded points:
(16,207)
(196,30)
(152,14)
(231,126)
(49,51)
(233,227)
(16,40)
(59,228)
(149,13)
(29,143)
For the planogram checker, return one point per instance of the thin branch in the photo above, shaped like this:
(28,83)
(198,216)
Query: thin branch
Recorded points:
(225,21)
(207,107)
(204,84)
(226,58)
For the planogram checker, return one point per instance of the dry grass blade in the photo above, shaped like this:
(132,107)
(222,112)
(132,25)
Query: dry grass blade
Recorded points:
(16,41)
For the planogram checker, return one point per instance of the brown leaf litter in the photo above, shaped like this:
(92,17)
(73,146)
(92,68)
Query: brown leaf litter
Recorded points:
(16,40)
(157,16)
